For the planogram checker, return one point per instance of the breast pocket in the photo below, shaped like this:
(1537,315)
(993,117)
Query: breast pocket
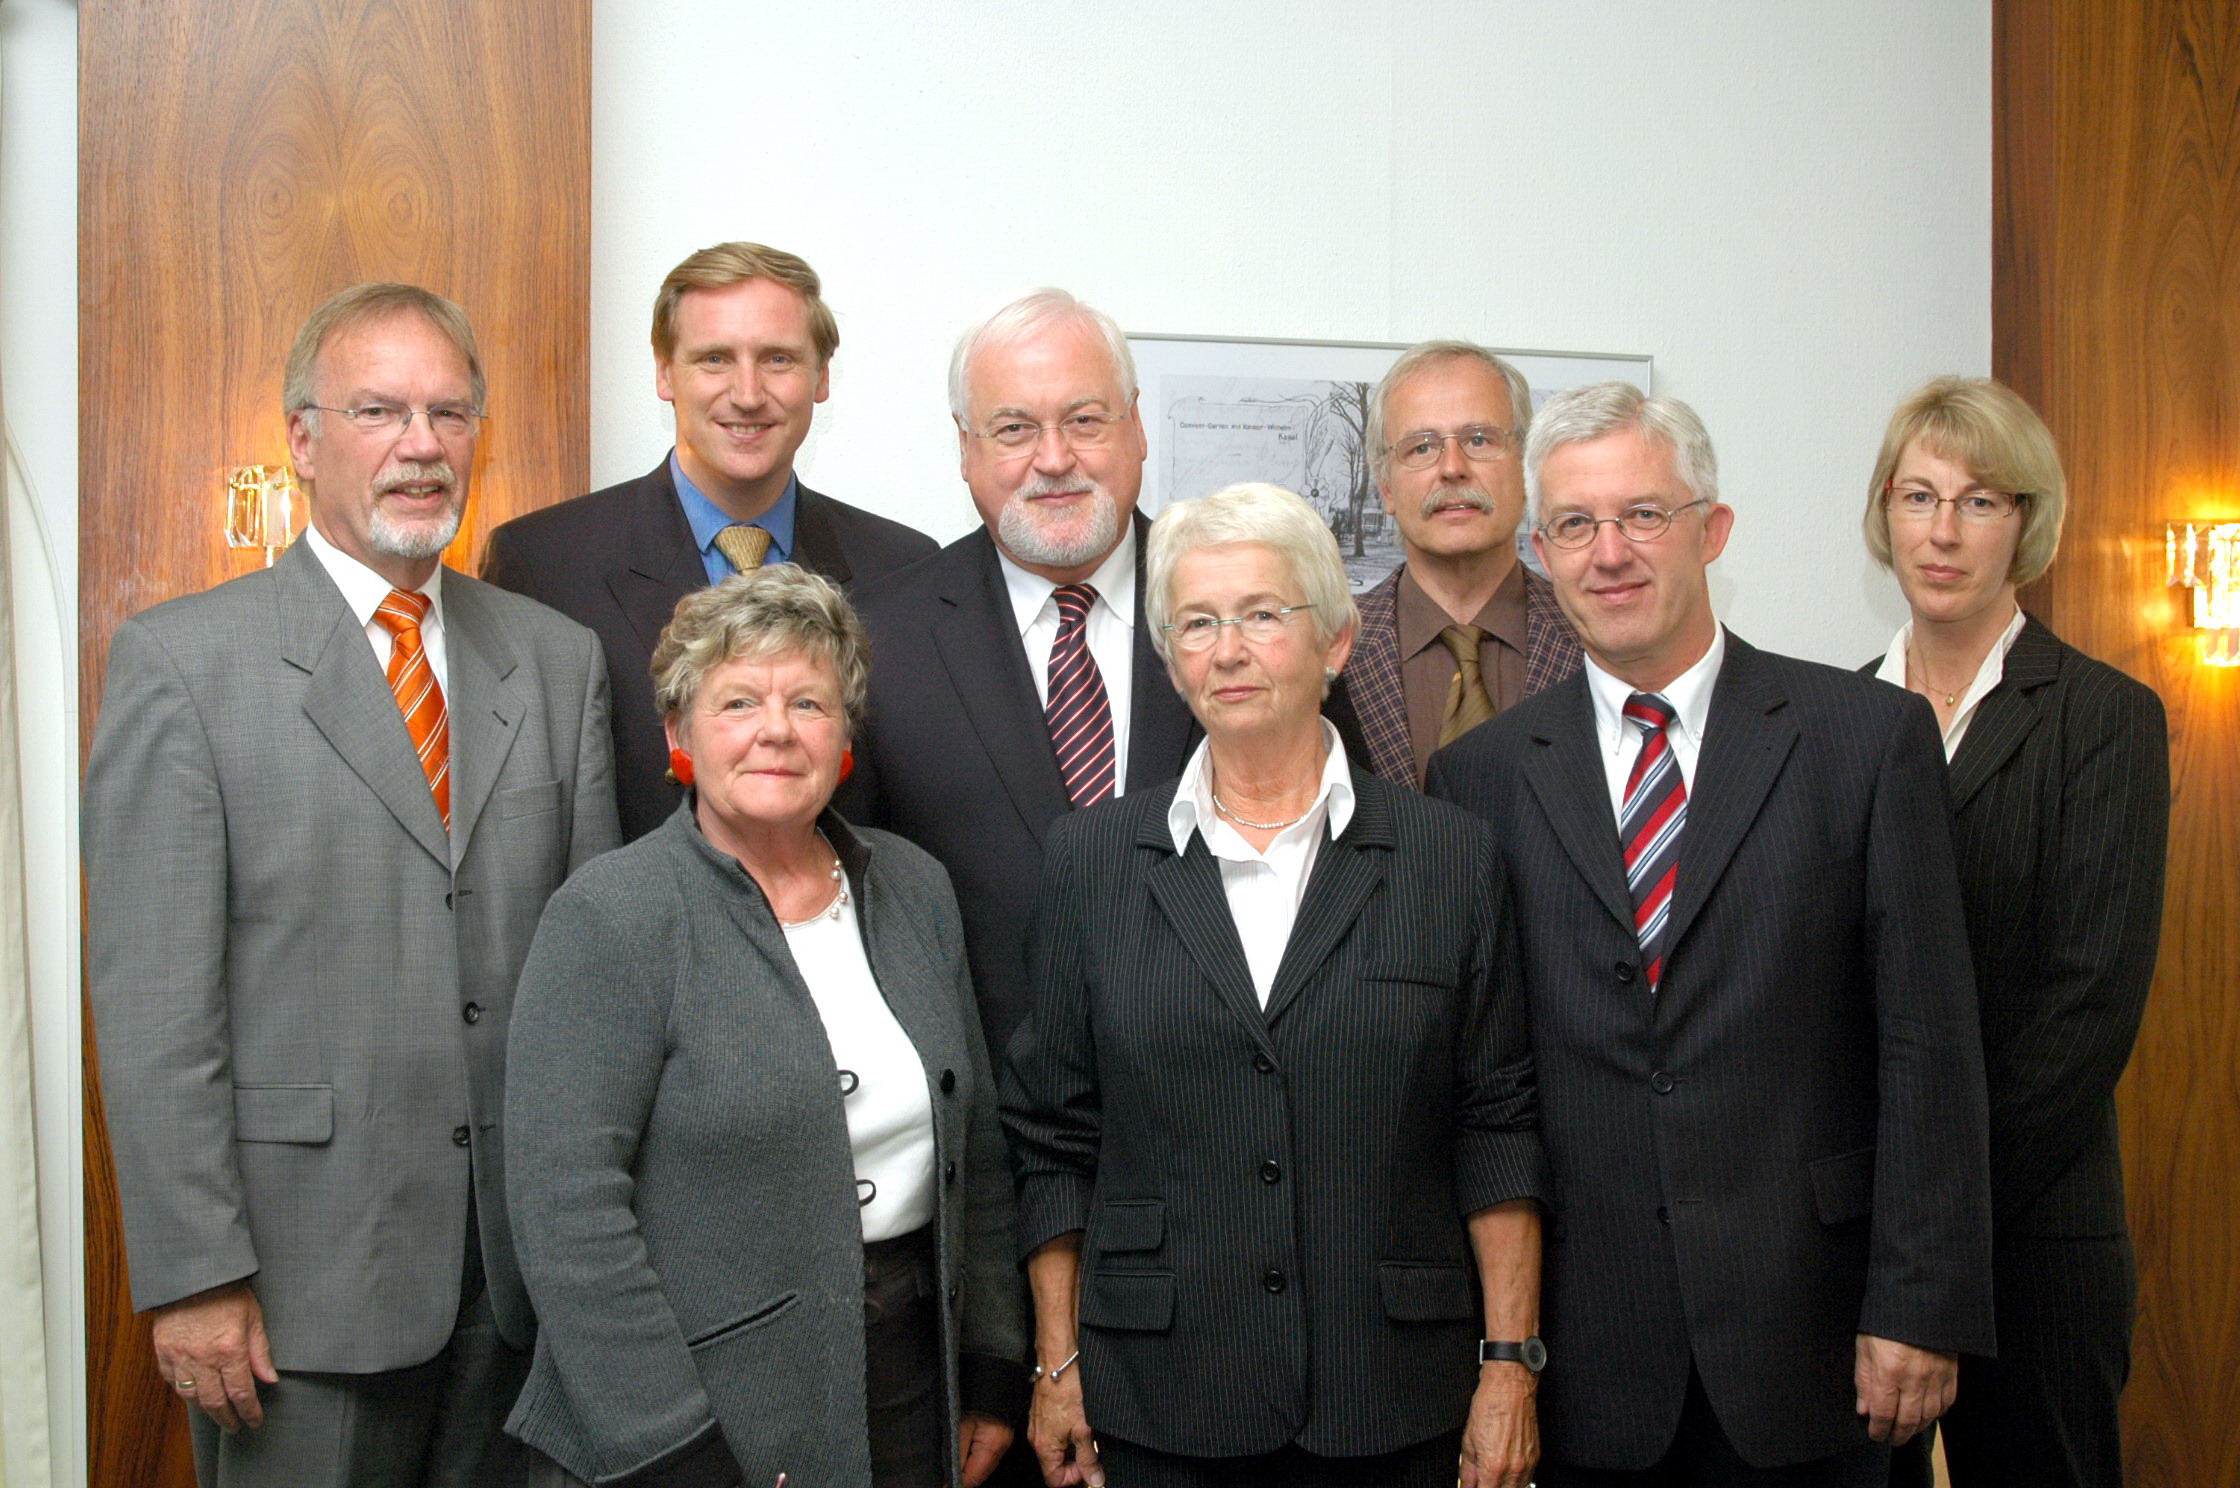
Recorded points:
(528,800)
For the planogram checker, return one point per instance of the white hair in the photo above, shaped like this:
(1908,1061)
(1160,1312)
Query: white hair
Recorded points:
(1024,317)
(1584,414)
(1253,512)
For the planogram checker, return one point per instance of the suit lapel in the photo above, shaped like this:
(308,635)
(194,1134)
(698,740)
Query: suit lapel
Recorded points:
(2007,713)
(816,546)
(348,700)
(1160,725)
(1346,873)
(486,706)
(1373,685)
(1187,888)
(977,636)
(1746,741)
(663,564)
(1564,771)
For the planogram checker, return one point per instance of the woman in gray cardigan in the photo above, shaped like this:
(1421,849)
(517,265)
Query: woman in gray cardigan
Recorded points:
(757,1183)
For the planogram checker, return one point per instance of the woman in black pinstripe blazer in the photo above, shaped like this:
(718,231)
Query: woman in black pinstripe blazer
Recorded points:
(2060,787)
(1272,1110)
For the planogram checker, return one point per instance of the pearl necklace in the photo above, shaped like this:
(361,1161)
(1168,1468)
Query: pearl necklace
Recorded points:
(1223,807)
(839,898)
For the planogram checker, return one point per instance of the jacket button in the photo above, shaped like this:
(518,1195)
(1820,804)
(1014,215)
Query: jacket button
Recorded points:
(1661,1083)
(460,1136)
(1664,1215)
(948,1081)
(1274,1281)
(1263,1063)
(447,899)
(472,1012)
(952,1292)
(1271,1171)
(949,1174)
(1624,970)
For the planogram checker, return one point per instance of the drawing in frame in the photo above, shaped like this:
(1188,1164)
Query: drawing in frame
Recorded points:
(1221,409)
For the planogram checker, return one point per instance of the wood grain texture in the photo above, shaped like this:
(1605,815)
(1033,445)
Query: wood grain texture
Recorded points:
(239,160)
(2117,272)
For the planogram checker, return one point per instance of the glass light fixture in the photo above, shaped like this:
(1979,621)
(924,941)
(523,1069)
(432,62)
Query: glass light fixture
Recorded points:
(2205,557)
(261,508)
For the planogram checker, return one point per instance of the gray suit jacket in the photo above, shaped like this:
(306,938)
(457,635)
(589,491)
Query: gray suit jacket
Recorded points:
(683,1185)
(300,984)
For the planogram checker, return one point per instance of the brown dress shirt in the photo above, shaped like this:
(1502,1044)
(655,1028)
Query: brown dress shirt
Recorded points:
(1427,667)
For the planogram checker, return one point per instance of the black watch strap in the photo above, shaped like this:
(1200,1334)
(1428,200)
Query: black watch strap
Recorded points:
(1532,1353)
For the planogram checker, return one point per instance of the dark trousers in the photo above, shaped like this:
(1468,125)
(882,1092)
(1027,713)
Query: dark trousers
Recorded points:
(1428,1464)
(436,1425)
(1701,1456)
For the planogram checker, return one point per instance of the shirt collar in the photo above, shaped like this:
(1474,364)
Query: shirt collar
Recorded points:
(707,519)
(1689,694)
(362,588)
(1420,619)
(1988,676)
(1192,807)
(1114,581)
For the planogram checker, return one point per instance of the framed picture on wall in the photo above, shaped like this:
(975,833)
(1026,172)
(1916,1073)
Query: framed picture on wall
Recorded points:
(1220,409)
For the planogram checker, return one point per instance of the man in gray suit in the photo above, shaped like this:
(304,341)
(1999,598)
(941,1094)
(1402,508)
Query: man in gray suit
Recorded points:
(325,806)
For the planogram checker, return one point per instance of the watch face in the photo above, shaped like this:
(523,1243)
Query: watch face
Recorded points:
(1535,1355)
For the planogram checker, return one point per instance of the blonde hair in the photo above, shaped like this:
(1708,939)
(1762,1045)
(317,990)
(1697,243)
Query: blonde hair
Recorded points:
(1987,427)
(1253,512)
(727,264)
(771,611)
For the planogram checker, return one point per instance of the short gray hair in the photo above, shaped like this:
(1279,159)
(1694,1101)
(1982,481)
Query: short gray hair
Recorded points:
(769,612)
(363,304)
(1024,317)
(1584,414)
(1424,354)
(1253,512)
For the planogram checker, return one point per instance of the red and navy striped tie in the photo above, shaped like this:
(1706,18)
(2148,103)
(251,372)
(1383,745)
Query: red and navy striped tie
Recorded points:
(1649,823)
(1079,713)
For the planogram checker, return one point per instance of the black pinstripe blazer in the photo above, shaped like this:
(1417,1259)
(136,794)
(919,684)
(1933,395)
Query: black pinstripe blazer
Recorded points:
(1274,1201)
(2061,818)
(1784,1146)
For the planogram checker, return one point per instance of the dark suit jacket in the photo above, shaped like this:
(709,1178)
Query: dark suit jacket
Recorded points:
(1378,699)
(618,560)
(1784,1146)
(1274,1201)
(2061,818)
(955,755)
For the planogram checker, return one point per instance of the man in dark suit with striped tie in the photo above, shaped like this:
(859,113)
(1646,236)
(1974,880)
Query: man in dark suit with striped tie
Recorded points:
(742,351)
(1761,1088)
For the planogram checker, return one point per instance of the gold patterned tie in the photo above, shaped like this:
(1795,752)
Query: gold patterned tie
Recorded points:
(1468,703)
(419,695)
(745,545)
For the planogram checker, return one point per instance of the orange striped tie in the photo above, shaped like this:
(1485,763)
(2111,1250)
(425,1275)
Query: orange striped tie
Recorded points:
(419,696)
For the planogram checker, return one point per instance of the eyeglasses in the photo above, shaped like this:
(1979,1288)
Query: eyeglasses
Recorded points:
(1258,627)
(448,420)
(1644,523)
(1079,431)
(1478,442)
(1913,504)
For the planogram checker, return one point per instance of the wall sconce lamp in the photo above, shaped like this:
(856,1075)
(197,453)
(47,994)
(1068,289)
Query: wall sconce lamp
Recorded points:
(2205,557)
(261,508)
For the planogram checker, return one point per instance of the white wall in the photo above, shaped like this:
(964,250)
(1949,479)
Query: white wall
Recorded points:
(1787,205)
(39,374)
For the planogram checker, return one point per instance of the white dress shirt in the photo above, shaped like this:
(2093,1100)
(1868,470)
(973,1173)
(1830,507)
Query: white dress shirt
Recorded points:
(1690,696)
(1112,634)
(1988,675)
(363,590)
(1263,888)
(890,1112)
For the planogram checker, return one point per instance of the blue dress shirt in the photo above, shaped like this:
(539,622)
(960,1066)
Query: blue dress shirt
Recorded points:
(707,519)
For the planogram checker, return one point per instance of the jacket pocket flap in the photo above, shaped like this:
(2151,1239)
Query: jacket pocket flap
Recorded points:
(1426,1291)
(1843,1186)
(1130,1224)
(528,800)
(283,1113)
(1136,1301)
(753,1317)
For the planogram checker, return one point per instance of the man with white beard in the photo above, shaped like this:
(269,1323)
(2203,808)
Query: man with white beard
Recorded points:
(1012,678)
(325,805)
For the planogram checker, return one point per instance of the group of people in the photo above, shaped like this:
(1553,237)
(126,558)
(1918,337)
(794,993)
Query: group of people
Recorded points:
(741,994)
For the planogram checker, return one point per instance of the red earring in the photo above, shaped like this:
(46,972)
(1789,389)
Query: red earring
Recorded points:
(847,764)
(680,767)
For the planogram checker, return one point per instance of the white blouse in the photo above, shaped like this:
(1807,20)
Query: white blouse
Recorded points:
(890,1111)
(1988,676)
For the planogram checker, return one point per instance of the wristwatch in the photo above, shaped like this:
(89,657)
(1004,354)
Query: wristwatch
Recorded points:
(1532,1353)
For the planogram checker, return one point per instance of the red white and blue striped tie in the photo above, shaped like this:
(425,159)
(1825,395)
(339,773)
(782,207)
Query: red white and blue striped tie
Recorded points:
(1080,715)
(1656,806)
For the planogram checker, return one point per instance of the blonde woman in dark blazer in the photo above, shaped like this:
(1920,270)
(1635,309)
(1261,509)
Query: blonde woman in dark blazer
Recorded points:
(764,1214)
(2060,788)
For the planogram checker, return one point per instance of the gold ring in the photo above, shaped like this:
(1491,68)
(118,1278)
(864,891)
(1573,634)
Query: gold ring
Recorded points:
(182,1385)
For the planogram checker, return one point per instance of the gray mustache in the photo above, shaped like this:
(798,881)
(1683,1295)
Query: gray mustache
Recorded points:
(1469,496)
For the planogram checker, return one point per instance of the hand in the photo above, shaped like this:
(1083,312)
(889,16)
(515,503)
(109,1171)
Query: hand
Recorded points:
(981,1443)
(216,1340)
(1501,1443)
(1058,1429)
(1902,1388)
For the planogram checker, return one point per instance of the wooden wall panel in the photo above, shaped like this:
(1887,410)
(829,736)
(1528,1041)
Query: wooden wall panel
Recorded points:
(2117,268)
(238,161)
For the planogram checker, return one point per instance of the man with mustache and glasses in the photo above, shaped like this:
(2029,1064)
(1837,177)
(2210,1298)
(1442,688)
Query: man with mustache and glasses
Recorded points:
(1461,630)
(325,805)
